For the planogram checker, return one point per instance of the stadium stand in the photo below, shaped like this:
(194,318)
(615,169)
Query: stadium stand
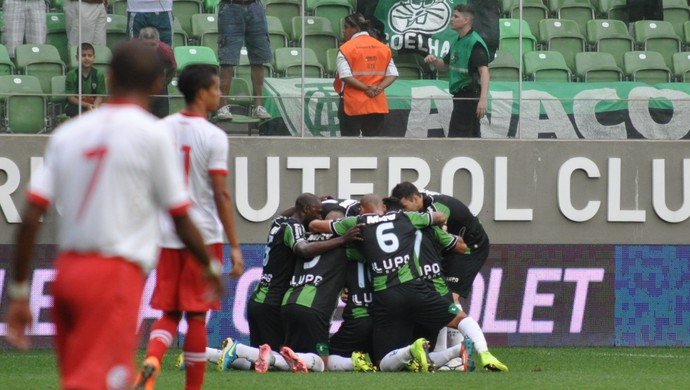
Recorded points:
(658,36)
(609,36)
(284,10)
(504,67)
(677,13)
(288,62)
(56,34)
(509,30)
(187,55)
(116,30)
(40,61)
(580,11)
(532,12)
(563,36)
(6,64)
(681,66)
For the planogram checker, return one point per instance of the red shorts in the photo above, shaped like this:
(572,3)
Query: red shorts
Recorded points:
(96,302)
(180,284)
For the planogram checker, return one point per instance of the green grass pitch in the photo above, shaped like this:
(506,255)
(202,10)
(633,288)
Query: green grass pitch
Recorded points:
(530,368)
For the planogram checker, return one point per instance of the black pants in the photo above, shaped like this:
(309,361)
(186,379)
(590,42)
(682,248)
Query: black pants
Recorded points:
(370,125)
(463,121)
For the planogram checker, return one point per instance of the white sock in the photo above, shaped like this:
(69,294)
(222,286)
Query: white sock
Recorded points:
(280,363)
(470,328)
(441,339)
(242,364)
(247,352)
(340,363)
(442,357)
(212,355)
(454,337)
(313,361)
(396,360)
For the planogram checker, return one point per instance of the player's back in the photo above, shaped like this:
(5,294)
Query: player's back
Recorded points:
(109,179)
(202,150)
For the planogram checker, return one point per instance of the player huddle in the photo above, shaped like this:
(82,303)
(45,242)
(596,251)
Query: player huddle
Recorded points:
(395,261)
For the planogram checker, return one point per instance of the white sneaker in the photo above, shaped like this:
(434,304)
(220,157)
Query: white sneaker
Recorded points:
(261,113)
(224,113)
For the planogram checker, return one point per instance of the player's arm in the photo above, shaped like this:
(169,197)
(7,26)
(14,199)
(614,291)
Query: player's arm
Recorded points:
(426,219)
(310,249)
(18,312)
(223,201)
(449,242)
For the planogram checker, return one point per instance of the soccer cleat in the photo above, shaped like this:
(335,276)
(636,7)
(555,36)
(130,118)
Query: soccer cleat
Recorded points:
(296,363)
(454,364)
(228,355)
(491,363)
(261,113)
(420,354)
(224,114)
(261,364)
(149,371)
(361,362)
(467,353)
(179,362)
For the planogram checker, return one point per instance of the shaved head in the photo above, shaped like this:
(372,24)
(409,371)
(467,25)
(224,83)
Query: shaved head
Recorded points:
(371,203)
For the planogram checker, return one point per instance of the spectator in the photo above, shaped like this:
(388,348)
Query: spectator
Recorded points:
(160,105)
(92,83)
(468,61)
(90,16)
(242,23)
(24,21)
(365,69)
(150,13)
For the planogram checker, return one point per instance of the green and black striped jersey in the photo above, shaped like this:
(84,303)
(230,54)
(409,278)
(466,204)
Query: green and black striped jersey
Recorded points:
(279,260)
(316,283)
(434,243)
(388,245)
(359,289)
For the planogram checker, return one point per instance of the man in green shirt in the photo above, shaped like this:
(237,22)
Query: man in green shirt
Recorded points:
(468,61)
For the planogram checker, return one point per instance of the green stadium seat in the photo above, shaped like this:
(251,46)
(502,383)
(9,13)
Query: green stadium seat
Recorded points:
(595,67)
(504,67)
(180,36)
(183,11)
(40,61)
(276,32)
(211,6)
(118,7)
(6,64)
(613,9)
(318,35)
(203,24)
(581,11)
(686,34)
(532,12)
(677,13)
(241,94)
(564,36)
(546,66)
(331,62)
(646,67)
(187,55)
(102,62)
(288,62)
(56,34)
(334,10)
(175,98)
(681,66)
(411,66)
(659,36)
(509,30)
(116,30)
(23,104)
(610,36)
(284,10)
(55,5)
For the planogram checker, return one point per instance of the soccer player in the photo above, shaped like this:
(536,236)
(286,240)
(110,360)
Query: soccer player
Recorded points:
(109,172)
(285,245)
(203,159)
(460,268)
(401,299)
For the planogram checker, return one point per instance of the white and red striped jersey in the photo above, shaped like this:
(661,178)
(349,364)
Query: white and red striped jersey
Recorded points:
(110,174)
(202,151)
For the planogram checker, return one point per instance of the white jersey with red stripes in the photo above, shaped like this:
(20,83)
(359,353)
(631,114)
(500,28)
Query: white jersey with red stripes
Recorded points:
(110,173)
(202,151)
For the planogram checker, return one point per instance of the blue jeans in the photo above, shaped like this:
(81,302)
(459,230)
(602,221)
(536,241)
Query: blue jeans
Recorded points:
(243,25)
